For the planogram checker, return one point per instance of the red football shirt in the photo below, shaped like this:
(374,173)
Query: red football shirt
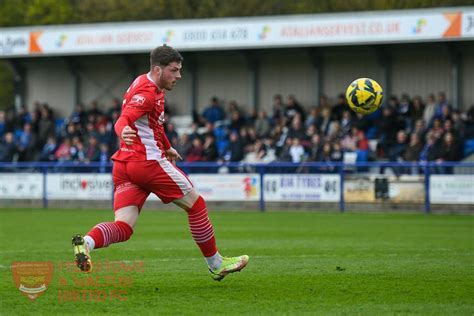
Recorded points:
(144,111)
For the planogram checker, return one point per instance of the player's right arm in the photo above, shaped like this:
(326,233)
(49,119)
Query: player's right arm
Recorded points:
(138,105)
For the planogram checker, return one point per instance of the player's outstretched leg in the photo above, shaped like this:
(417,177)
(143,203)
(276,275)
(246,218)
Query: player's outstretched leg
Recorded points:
(203,234)
(104,234)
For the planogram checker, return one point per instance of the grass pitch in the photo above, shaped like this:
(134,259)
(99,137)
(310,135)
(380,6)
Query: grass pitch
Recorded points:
(366,264)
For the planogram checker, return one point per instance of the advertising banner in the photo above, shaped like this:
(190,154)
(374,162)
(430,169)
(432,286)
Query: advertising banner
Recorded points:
(21,186)
(252,32)
(452,189)
(406,189)
(302,188)
(225,187)
(79,186)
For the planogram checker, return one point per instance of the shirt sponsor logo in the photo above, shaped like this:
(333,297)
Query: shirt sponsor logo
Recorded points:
(138,99)
(161,119)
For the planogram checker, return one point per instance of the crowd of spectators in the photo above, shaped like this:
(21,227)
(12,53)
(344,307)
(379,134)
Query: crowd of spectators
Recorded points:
(404,129)
(37,135)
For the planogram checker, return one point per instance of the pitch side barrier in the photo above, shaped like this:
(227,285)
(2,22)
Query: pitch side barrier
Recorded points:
(424,183)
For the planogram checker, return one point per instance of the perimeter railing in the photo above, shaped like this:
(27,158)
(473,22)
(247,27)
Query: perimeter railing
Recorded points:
(457,183)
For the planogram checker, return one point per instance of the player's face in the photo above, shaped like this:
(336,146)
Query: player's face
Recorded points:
(169,75)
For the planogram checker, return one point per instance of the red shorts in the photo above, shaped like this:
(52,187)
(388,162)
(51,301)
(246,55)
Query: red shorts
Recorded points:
(135,180)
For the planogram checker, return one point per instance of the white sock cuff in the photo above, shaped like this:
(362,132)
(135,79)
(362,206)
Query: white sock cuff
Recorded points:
(214,261)
(90,242)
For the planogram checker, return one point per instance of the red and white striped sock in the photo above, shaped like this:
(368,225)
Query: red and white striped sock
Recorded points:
(201,228)
(108,233)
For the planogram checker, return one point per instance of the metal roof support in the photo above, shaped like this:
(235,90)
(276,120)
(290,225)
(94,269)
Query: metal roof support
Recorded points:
(19,85)
(253,65)
(316,61)
(385,62)
(455,60)
(191,65)
(73,67)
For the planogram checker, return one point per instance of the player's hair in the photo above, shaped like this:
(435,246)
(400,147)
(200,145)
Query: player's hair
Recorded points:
(164,55)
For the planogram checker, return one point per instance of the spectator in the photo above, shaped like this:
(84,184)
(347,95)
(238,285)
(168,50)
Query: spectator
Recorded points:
(92,153)
(417,109)
(8,149)
(450,150)
(449,128)
(306,140)
(103,136)
(413,150)
(3,124)
(26,144)
(245,138)
(171,131)
(104,154)
(94,110)
(296,129)
(236,121)
(22,117)
(210,149)
(296,151)
(346,122)
(213,112)
(79,152)
(337,154)
(46,126)
(194,132)
(397,151)
(458,123)
(116,107)
(235,148)
(285,152)
(335,132)
(431,151)
(292,108)
(442,108)
(387,126)
(262,125)
(362,122)
(278,109)
(312,118)
(324,121)
(47,153)
(339,106)
(437,129)
(233,106)
(78,116)
(469,130)
(316,148)
(196,151)
(63,153)
(257,153)
(420,129)
(404,111)
(184,145)
(326,153)
(429,111)
(251,117)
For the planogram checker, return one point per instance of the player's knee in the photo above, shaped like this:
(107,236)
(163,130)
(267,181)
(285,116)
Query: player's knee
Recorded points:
(198,205)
